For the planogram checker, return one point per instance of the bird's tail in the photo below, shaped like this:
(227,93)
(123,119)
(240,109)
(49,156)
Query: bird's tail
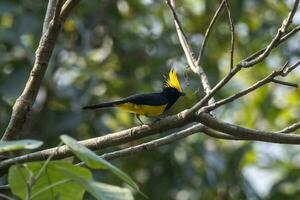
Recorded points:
(102,105)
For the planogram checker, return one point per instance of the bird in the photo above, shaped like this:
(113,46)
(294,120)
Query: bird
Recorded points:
(147,104)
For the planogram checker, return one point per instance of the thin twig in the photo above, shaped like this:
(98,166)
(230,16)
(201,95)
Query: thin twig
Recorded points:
(187,49)
(67,8)
(246,63)
(291,68)
(219,135)
(215,89)
(285,83)
(282,39)
(232,34)
(270,78)
(208,30)
(290,17)
(290,128)
(274,42)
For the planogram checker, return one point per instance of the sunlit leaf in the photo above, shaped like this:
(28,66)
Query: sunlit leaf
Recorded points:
(94,161)
(19,145)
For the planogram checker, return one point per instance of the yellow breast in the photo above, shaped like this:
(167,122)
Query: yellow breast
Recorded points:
(142,109)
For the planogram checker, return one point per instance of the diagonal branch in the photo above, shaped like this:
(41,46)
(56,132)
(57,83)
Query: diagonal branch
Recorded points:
(280,33)
(232,33)
(214,90)
(290,128)
(49,14)
(282,39)
(209,125)
(208,30)
(187,49)
(285,83)
(257,57)
(282,72)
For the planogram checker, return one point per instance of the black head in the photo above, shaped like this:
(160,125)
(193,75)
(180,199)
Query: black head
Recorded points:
(172,94)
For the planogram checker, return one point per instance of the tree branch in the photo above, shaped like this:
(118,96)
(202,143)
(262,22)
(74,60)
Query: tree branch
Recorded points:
(290,128)
(99,143)
(249,134)
(174,137)
(285,83)
(24,103)
(282,72)
(282,39)
(49,14)
(209,125)
(208,30)
(249,62)
(281,31)
(215,89)
(155,143)
(187,49)
(232,34)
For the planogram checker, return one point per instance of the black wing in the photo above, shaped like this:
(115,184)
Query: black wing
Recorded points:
(152,99)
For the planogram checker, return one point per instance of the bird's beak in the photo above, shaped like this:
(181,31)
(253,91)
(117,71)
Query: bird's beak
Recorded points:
(182,94)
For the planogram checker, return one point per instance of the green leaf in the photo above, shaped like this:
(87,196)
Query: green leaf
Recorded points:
(100,191)
(19,145)
(84,154)
(109,192)
(52,176)
(94,161)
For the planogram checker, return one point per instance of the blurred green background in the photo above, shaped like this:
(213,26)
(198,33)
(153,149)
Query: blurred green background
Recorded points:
(111,49)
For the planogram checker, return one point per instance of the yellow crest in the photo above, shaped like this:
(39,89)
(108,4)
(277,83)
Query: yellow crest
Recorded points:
(172,81)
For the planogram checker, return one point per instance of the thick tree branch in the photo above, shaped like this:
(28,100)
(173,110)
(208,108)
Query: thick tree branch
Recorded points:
(208,124)
(250,134)
(24,103)
(108,140)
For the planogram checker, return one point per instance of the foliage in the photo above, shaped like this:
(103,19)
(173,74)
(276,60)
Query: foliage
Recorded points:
(111,49)
(63,180)
(8,146)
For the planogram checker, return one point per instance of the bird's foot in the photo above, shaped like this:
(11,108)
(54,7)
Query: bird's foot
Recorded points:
(141,122)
